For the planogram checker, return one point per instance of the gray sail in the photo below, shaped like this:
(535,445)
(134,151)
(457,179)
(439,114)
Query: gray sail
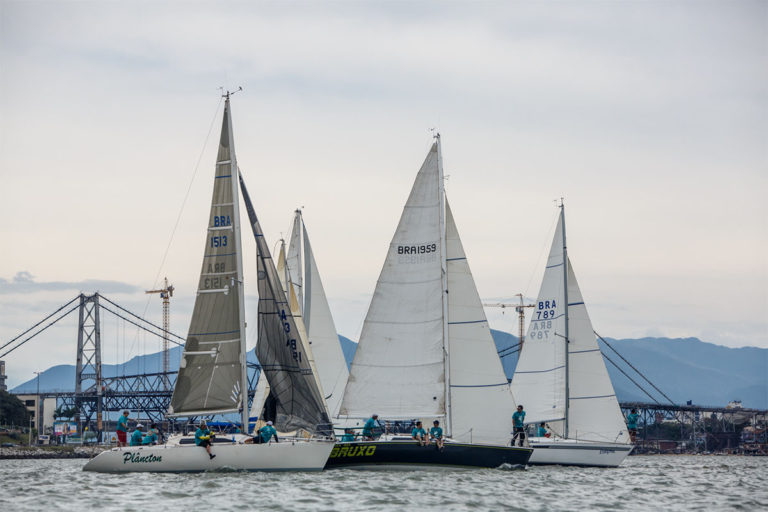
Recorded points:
(209,379)
(280,350)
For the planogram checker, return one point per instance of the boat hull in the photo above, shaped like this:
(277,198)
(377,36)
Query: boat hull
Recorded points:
(407,454)
(284,456)
(577,453)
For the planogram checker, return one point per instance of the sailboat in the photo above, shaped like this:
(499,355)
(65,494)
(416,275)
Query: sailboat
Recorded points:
(212,375)
(425,350)
(561,378)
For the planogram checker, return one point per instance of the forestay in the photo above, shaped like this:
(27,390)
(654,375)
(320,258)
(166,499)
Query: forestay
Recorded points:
(398,370)
(481,402)
(281,352)
(209,379)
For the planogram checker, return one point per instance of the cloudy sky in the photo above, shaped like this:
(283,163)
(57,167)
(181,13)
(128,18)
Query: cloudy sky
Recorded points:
(649,118)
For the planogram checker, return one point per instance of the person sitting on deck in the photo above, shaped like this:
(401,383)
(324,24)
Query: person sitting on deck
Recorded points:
(368,428)
(632,425)
(266,433)
(419,434)
(151,436)
(203,438)
(436,434)
(542,431)
(518,424)
(137,435)
(349,436)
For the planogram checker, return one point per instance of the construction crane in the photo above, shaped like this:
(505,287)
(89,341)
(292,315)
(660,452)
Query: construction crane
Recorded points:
(165,293)
(519,309)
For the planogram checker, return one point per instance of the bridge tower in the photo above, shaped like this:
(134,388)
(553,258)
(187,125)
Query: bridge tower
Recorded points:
(88,379)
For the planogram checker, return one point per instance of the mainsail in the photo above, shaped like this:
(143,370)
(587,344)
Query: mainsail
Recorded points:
(283,354)
(399,369)
(481,402)
(574,396)
(211,376)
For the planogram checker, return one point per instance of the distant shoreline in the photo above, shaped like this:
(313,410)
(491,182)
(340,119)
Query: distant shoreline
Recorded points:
(66,452)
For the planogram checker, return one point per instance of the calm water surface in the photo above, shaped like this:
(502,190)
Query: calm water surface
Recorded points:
(641,483)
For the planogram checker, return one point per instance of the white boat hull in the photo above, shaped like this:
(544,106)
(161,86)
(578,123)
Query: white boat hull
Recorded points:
(175,458)
(577,453)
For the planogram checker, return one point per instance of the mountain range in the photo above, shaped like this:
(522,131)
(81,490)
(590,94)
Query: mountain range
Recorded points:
(682,368)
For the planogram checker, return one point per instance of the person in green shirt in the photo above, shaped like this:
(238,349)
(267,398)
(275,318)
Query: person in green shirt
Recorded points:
(122,429)
(541,431)
(267,432)
(419,434)
(203,438)
(151,436)
(370,425)
(348,436)
(518,426)
(436,433)
(632,425)
(137,436)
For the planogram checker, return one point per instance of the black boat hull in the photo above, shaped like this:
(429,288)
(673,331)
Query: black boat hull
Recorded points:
(402,454)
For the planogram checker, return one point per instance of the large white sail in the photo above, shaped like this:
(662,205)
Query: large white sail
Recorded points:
(481,402)
(588,403)
(398,370)
(293,261)
(210,378)
(331,364)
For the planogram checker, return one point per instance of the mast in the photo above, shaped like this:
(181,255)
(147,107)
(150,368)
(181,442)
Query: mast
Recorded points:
(565,305)
(239,277)
(444,286)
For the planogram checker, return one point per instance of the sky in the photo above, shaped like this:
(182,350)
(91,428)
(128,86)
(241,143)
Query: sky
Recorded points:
(650,119)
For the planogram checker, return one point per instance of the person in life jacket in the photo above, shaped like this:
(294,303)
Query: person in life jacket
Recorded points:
(203,438)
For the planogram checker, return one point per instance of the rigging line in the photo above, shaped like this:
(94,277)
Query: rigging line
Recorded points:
(631,379)
(501,356)
(638,371)
(40,322)
(139,326)
(142,319)
(38,332)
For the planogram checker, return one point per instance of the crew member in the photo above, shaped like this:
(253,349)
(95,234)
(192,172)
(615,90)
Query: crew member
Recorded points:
(419,434)
(368,428)
(436,434)
(137,435)
(632,425)
(122,429)
(151,437)
(203,438)
(267,432)
(518,424)
(349,436)
(541,431)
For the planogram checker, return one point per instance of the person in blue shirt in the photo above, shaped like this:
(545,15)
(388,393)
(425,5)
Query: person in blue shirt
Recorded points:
(632,425)
(151,436)
(541,431)
(518,425)
(137,436)
(348,436)
(267,432)
(122,429)
(419,434)
(370,425)
(436,434)
(203,438)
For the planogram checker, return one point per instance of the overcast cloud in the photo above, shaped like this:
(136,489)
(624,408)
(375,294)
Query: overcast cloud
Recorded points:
(649,117)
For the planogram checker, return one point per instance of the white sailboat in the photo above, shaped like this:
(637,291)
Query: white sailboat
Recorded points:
(212,375)
(561,378)
(425,351)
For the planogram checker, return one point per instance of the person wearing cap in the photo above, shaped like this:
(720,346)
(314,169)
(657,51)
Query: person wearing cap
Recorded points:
(419,434)
(137,436)
(122,429)
(267,432)
(518,424)
(436,433)
(203,438)
(368,429)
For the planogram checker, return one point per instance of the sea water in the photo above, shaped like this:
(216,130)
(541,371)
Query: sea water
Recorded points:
(641,483)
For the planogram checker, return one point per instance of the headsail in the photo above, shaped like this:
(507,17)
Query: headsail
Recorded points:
(481,402)
(294,260)
(281,351)
(321,331)
(399,369)
(588,402)
(210,378)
